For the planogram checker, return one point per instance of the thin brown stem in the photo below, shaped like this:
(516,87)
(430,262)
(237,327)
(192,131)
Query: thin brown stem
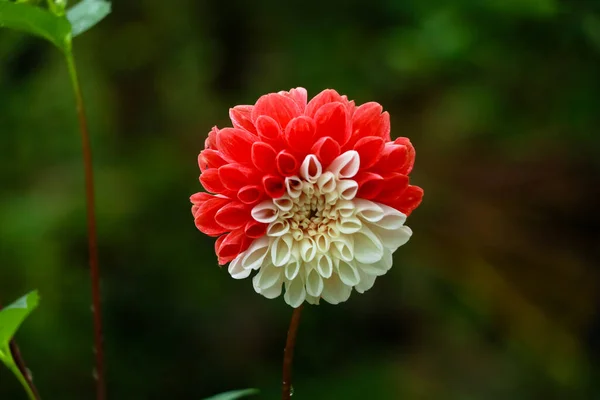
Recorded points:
(91,226)
(288,354)
(20,362)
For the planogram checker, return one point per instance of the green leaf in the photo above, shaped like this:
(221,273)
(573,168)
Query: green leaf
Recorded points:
(13,315)
(86,14)
(234,394)
(36,21)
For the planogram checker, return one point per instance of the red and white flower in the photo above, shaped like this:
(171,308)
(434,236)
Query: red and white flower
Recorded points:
(313,195)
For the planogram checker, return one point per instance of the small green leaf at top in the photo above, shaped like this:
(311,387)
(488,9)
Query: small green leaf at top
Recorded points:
(12,316)
(36,21)
(234,394)
(86,14)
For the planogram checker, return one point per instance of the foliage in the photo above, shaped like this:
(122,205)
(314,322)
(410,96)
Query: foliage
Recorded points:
(11,317)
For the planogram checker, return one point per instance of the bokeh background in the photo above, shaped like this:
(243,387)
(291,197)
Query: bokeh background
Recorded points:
(496,296)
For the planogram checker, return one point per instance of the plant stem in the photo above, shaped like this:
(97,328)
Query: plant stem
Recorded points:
(288,353)
(24,376)
(91,226)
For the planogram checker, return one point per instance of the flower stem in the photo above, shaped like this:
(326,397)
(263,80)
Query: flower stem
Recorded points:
(22,373)
(288,354)
(91,226)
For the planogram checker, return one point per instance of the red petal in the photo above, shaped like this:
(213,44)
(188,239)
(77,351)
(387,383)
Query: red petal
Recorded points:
(274,186)
(394,158)
(369,121)
(228,248)
(410,157)
(332,120)
(299,135)
(281,108)
(236,176)
(299,95)
(369,149)
(200,198)
(326,149)
(250,194)
(205,216)
(326,96)
(287,165)
(255,229)
(211,140)
(195,209)
(235,144)
(410,199)
(211,181)
(209,158)
(241,117)
(218,244)
(369,185)
(269,131)
(233,215)
(263,157)
(395,185)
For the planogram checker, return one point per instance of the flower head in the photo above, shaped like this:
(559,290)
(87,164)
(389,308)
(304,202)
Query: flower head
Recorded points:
(312,195)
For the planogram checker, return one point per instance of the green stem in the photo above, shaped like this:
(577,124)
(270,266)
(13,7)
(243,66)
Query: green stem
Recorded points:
(91,224)
(23,381)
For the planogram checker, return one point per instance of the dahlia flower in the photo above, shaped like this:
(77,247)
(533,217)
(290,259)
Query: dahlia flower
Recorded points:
(311,195)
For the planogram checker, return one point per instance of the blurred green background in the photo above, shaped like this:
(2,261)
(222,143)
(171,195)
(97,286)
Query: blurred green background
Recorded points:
(494,297)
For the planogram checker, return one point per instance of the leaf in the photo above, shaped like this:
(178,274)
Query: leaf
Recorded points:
(86,14)
(234,394)
(13,315)
(36,21)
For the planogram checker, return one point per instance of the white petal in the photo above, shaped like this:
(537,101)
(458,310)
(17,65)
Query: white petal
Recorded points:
(293,184)
(343,248)
(281,250)
(347,189)
(294,293)
(345,208)
(345,165)
(366,281)
(273,291)
(367,246)
(314,283)
(278,228)
(322,242)
(324,265)
(348,225)
(312,299)
(368,210)
(392,239)
(334,290)
(379,268)
(392,218)
(326,182)
(331,197)
(255,255)
(292,269)
(311,168)
(308,189)
(308,249)
(267,277)
(347,272)
(235,268)
(265,212)
(284,203)
(333,231)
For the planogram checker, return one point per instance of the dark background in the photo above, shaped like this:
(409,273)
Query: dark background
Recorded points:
(494,297)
